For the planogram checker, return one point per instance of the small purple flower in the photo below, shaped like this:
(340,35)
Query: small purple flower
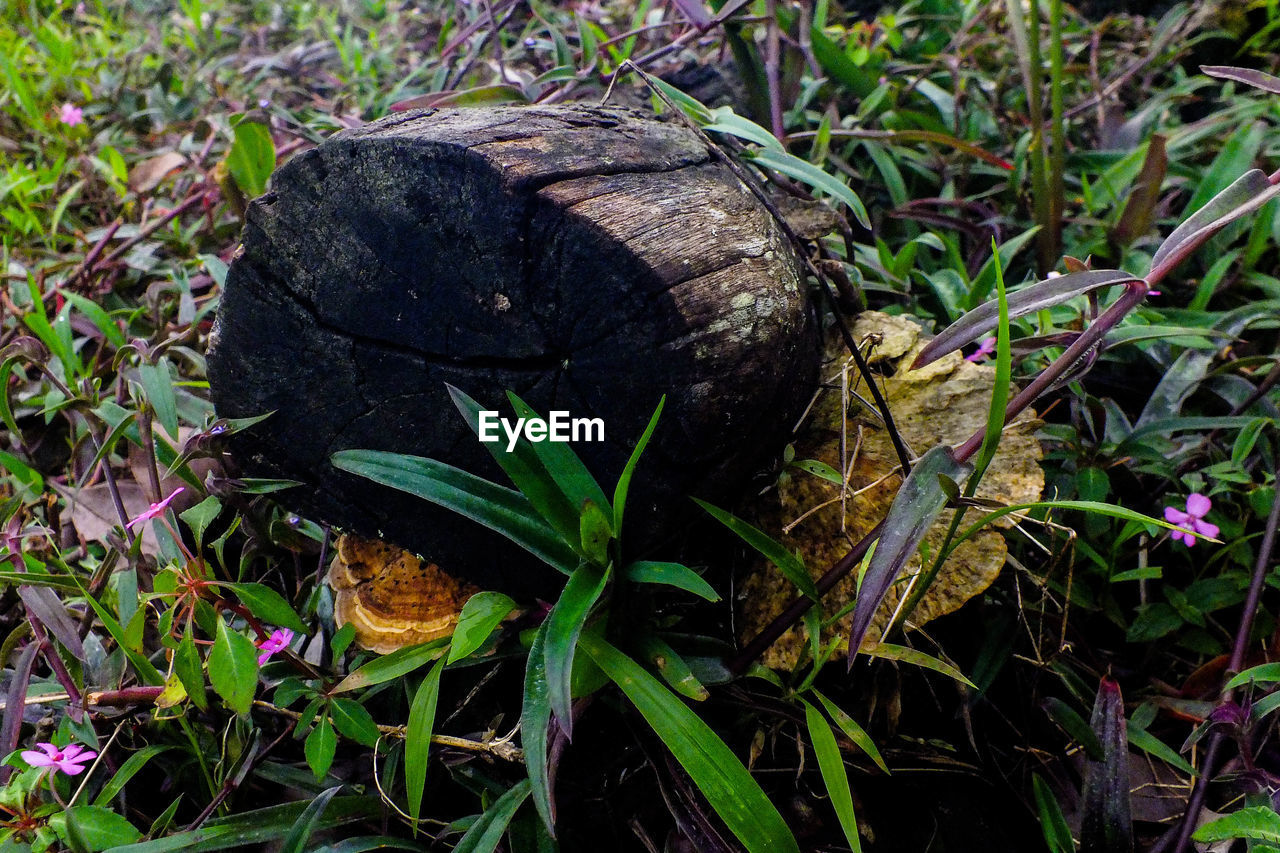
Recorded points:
(280,639)
(69,760)
(71,115)
(984,350)
(155,509)
(1191,521)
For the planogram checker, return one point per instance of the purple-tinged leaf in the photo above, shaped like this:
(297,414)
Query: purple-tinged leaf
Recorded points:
(913,512)
(43,604)
(1106,825)
(1246,194)
(1247,76)
(14,705)
(695,11)
(1139,210)
(1028,300)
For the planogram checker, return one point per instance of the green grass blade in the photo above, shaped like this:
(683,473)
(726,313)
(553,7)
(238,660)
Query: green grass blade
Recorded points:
(772,550)
(305,825)
(671,574)
(719,775)
(500,509)
(486,833)
(417,739)
(624,482)
(535,717)
(834,775)
(564,626)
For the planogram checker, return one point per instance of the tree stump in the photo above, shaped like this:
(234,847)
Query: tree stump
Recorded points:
(590,259)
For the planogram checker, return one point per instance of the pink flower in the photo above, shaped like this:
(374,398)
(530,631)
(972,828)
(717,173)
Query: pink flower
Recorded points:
(71,115)
(1198,507)
(280,639)
(984,350)
(155,509)
(69,760)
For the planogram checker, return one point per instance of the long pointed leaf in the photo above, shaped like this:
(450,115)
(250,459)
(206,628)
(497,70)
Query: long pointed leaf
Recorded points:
(500,509)
(834,775)
(564,466)
(1245,195)
(564,626)
(1028,300)
(417,737)
(300,832)
(717,772)
(526,471)
(486,833)
(915,508)
(535,717)
(1105,825)
(623,488)
(772,550)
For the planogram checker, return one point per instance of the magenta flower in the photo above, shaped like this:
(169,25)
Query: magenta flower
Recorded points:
(71,115)
(280,639)
(155,509)
(984,350)
(1192,520)
(69,760)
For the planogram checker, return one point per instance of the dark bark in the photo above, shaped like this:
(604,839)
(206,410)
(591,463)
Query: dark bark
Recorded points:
(590,259)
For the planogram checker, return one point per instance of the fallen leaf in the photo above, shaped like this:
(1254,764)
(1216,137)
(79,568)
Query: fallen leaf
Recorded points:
(945,402)
(147,175)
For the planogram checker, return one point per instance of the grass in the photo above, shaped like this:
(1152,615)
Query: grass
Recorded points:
(984,148)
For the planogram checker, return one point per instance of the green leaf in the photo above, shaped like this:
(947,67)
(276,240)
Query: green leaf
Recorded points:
(890,651)
(200,516)
(852,730)
(1152,745)
(321,744)
(834,776)
(806,172)
(1257,823)
(858,80)
(729,788)
(252,157)
(351,719)
(417,739)
(564,466)
(594,533)
(486,833)
(916,506)
(158,386)
(97,826)
(145,669)
(1074,725)
(258,827)
(483,612)
(190,671)
(564,625)
(268,605)
(671,574)
(131,766)
(774,551)
(624,482)
(398,663)
(671,667)
(305,825)
(535,717)
(725,120)
(1263,674)
(233,668)
(502,510)
(523,464)
(1057,835)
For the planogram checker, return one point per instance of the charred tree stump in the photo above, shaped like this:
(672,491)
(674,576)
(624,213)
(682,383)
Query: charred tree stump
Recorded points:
(590,259)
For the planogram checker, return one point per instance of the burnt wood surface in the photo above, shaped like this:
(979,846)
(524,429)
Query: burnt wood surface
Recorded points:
(590,259)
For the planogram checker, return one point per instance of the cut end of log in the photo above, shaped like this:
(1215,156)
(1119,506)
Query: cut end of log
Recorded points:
(590,259)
